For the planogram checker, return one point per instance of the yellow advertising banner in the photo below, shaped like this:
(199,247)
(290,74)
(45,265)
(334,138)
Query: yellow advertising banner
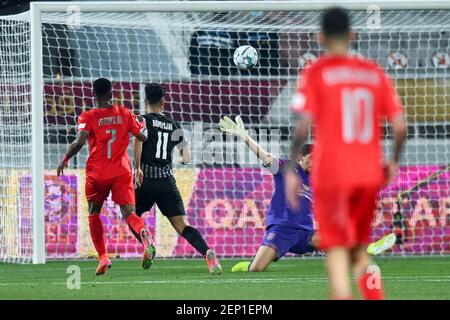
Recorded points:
(425,100)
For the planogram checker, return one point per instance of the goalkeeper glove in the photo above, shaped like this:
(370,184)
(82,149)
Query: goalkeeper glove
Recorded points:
(236,127)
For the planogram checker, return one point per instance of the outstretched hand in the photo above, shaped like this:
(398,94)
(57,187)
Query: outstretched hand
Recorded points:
(236,127)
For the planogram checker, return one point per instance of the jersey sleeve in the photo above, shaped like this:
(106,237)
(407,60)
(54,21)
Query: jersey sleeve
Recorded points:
(83,123)
(391,105)
(276,167)
(134,125)
(305,99)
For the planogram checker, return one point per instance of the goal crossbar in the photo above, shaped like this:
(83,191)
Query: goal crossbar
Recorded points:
(217,6)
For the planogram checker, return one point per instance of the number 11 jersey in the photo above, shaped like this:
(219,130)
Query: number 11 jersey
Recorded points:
(164,134)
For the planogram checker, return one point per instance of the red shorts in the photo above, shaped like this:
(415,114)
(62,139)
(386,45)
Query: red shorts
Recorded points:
(121,187)
(344,217)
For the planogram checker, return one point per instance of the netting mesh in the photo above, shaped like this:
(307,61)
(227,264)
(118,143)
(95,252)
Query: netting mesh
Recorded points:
(225,190)
(15,140)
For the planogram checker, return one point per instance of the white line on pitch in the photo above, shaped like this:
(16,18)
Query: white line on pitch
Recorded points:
(138,266)
(228,281)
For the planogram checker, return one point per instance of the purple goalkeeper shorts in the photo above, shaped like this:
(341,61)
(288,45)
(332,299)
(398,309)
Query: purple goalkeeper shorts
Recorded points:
(285,240)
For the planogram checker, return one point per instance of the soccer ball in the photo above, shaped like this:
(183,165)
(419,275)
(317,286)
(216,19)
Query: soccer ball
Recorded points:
(245,57)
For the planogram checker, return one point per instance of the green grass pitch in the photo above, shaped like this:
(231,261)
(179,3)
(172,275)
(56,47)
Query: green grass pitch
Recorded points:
(405,278)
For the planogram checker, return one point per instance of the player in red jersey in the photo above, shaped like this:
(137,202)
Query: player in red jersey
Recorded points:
(345,97)
(108,169)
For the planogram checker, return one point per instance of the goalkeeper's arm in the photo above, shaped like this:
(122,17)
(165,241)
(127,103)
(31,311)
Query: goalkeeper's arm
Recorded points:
(237,128)
(262,154)
(399,129)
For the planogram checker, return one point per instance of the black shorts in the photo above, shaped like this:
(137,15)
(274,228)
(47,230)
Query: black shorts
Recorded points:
(164,193)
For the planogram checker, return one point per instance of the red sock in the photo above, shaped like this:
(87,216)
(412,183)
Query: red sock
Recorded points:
(136,223)
(96,228)
(371,286)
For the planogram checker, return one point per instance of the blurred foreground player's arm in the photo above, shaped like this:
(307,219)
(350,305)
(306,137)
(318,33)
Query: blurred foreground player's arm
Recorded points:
(393,111)
(305,104)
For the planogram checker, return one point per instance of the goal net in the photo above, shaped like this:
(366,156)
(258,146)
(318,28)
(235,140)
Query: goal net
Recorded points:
(225,189)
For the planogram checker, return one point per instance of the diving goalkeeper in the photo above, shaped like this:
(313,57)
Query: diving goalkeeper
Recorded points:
(286,230)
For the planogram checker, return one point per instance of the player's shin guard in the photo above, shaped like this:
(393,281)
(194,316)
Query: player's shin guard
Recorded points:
(96,229)
(195,239)
(371,286)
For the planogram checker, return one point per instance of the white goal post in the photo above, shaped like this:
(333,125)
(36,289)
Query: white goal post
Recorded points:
(422,82)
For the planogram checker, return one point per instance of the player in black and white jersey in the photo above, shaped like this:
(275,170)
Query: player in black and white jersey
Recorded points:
(154,178)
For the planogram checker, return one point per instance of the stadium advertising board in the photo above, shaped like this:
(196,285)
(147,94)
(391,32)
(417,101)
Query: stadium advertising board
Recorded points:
(228,206)
(424,99)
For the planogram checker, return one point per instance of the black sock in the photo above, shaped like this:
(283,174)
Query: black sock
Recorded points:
(135,233)
(195,239)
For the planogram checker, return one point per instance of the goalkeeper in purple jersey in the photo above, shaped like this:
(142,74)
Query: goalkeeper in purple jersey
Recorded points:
(286,230)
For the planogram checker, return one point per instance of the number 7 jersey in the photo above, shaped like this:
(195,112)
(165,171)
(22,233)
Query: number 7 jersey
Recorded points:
(346,98)
(108,134)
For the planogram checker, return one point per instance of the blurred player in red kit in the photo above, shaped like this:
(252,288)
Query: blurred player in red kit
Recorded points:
(345,97)
(108,169)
